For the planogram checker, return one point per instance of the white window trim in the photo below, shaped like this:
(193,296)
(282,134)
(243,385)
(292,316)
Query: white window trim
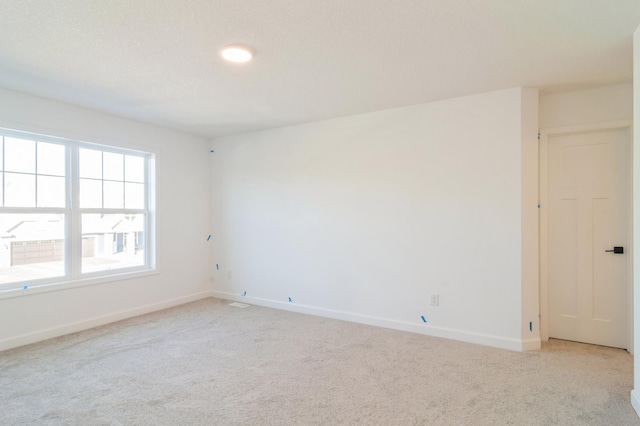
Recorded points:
(73,216)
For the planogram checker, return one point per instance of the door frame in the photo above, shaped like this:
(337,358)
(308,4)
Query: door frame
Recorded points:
(543,191)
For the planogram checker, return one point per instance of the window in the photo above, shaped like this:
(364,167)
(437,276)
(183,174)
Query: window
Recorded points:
(71,210)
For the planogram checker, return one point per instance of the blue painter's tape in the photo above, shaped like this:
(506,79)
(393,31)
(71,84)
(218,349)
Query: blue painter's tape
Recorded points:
(25,287)
(530,326)
(209,237)
(538,205)
(212,151)
(245,293)
(423,318)
(217,266)
(290,300)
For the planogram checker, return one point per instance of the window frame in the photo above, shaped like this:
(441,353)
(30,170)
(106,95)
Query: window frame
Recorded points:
(73,214)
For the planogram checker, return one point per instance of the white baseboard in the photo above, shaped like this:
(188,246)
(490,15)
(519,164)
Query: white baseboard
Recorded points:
(49,333)
(531,344)
(635,401)
(429,330)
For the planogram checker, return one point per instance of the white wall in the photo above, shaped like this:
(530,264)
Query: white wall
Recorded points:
(635,393)
(598,105)
(363,217)
(530,272)
(183,212)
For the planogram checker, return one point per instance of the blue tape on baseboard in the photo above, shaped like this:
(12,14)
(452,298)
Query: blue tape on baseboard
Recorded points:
(530,326)
(25,287)
(245,293)
(423,318)
(290,300)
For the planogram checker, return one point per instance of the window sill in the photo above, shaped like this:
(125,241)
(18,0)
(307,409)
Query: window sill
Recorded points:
(68,285)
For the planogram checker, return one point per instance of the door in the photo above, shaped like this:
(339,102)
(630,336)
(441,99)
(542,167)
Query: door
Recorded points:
(119,237)
(587,217)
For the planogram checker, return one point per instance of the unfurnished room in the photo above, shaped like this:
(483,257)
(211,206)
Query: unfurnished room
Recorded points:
(224,212)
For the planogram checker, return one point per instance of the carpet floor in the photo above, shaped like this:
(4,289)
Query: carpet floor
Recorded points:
(208,363)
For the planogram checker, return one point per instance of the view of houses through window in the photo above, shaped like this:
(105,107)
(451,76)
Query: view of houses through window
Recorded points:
(31,246)
(69,209)
(112,240)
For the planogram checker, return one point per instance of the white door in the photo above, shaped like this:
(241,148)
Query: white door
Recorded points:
(587,216)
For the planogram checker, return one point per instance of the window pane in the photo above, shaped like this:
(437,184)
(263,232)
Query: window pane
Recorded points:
(113,166)
(90,163)
(51,159)
(19,190)
(113,195)
(20,155)
(90,193)
(51,191)
(134,169)
(112,241)
(31,246)
(134,195)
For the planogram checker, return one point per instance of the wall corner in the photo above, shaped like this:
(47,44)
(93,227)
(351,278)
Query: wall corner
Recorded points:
(635,400)
(530,288)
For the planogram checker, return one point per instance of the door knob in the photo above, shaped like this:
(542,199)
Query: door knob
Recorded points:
(616,250)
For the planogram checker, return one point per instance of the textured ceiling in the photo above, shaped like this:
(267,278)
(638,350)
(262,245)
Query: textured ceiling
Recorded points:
(158,60)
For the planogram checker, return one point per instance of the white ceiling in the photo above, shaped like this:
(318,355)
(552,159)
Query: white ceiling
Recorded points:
(158,60)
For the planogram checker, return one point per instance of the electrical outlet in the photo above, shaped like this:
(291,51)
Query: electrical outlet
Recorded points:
(435,299)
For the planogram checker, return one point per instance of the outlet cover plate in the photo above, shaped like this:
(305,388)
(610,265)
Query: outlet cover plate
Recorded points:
(435,299)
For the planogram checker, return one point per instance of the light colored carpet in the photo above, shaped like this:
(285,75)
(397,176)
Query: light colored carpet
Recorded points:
(207,363)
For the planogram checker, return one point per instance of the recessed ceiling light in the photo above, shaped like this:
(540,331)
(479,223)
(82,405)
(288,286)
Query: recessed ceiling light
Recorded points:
(236,54)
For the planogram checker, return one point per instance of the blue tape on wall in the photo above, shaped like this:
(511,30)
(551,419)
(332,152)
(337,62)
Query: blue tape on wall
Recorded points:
(530,326)
(290,300)
(423,318)
(245,293)
(25,287)
(217,266)
(209,237)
